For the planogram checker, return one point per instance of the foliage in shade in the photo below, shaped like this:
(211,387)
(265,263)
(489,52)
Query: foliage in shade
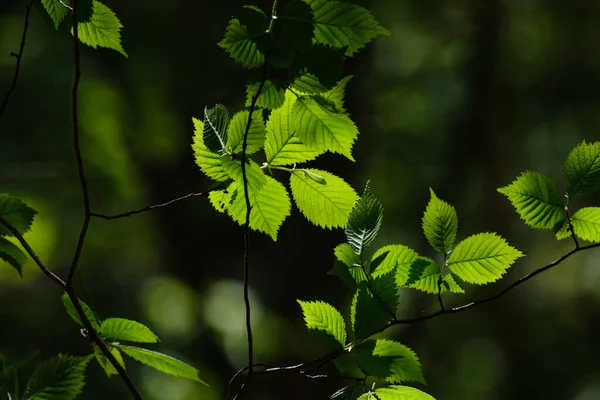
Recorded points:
(586,224)
(89,313)
(321,316)
(16,213)
(56,11)
(581,169)
(324,204)
(536,198)
(344,393)
(348,265)
(282,145)
(162,362)
(102,29)
(241,44)
(237,127)
(104,363)
(60,378)
(388,360)
(364,221)
(124,329)
(215,123)
(482,258)
(374,304)
(307,82)
(440,224)
(395,392)
(271,96)
(12,255)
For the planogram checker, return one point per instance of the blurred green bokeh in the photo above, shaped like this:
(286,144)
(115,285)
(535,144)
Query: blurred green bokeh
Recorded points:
(462,97)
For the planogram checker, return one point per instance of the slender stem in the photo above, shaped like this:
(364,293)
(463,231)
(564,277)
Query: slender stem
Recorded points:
(19,57)
(568,216)
(149,208)
(77,148)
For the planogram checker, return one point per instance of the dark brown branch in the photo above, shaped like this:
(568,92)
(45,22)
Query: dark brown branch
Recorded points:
(19,57)
(149,208)
(77,149)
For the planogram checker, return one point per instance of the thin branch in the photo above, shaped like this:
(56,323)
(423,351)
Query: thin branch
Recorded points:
(32,253)
(568,215)
(77,148)
(149,208)
(19,57)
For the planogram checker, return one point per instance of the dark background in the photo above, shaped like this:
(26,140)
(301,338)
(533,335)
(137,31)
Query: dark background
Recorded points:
(462,97)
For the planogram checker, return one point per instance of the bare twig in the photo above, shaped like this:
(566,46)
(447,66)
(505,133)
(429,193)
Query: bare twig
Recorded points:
(19,57)
(149,208)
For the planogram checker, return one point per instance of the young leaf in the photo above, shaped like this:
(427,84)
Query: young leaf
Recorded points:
(341,24)
(241,43)
(271,96)
(586,224)
(75,316)
(162,362)
(440,224)
(424,274)
(482,258)
(56,11)
(321,316)
(103,29)
(394,255)
(216,121)
(389,360)
(254,174)
(282,146)
(124,329)
(60,378)
(12,255)
(395,392)
(364,221)
(105,364)
(16,213)
(327,205)
(209,162)
(536,198)
(237,128)
(323,127)
(350,261)
(270,206)
(581,169)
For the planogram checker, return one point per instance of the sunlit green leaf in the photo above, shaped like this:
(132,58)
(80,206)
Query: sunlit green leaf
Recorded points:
(307,82)
(327,205)
(60,378)
(103,29)
(482,258)
(237,129)
(348,264)
(209,162)
(440,224)
(162,362)
(581,169)
(395,392)
(536,198)
(124,329)
(321,316)
(586,224)
(388,360)
(103,361)
(271,96)
(395,255)
(16,213)
(364,221)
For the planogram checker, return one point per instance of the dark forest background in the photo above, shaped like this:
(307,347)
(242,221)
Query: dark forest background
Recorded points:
(462,97)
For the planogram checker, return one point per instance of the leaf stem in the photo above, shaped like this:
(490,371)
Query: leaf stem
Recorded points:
(568,215)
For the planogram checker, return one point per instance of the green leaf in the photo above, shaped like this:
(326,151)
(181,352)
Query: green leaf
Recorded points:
(237,128)
(89,313)
(242,42)
(124,329)
(336,95)
(11,254)
(162,362)
(586,224)
(322,127)
(291,34)
(536,198)
(216,121)
(271,96)
(325,62)
(103,29)
(364,221)
(282,146)
(254,174)
(307,82)
(440,224)
(327,205)
(350,262)
(209,162)
(270,206)
(16,213)
(395,255)
(389,360)
(482,258)
(105,364)
(341,24)
(395,392)
(581,169)
(321,316)
(56,11)
(374,305)
(60,378)
(424,274)
(220,200)
(344,393)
